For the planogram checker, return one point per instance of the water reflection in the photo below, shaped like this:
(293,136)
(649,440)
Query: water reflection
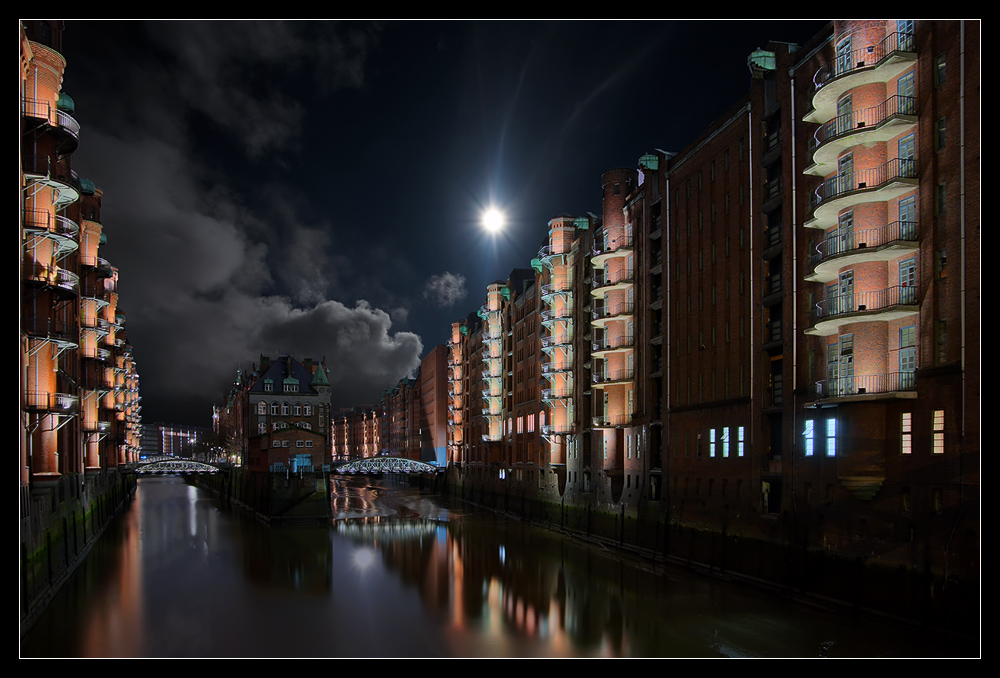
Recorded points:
(399,573)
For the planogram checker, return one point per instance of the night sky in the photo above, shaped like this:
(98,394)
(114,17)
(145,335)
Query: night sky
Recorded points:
(315,188)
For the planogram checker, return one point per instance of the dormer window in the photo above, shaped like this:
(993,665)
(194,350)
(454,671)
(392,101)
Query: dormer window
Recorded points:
(269,385)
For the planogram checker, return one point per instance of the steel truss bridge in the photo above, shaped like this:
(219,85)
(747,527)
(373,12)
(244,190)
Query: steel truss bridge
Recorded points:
(386,465)
(170,466)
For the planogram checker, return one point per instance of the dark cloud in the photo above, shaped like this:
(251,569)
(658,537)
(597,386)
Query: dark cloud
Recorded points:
(445,289)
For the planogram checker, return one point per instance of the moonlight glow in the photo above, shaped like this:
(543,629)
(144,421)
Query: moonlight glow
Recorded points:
(493,220)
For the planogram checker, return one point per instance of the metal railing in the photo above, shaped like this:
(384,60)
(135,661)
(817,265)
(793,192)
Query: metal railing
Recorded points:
(612,376)
(855,121)
(897,168)
(864,57)
(53,402)
(622,277)
(611,420)
(623,242)
(889,382)
(612,343)
(859,302)
(858,241)
(623,308)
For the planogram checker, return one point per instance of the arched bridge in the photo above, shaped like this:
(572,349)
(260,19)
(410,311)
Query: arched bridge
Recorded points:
(386,465)
(170,466)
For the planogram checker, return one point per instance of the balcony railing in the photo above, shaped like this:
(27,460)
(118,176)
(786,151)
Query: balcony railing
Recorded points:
(41,326)
(859,302)
(51,402)
(620,278)
(556,429)
(611,420)
(613,376)
(841,387)
(614,343)
(623,242)
(859,241)
(857,121)
(897,168)
(556,393)
(864,57)
(623,308)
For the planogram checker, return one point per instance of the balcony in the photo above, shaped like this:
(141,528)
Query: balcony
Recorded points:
(878,184)
(52,328)
(862,387)
(614,248)
(64,282)
(547,255)
(554,289)
(617,344)
(553,369)
(874,244)
(552,394)
(872,63)
(616,281)
(612,377)
(51,402)
(894,116)
(602,316)
(56,174)
(557,429)
(827,316)
(612,420)
(549,315)
(103,266)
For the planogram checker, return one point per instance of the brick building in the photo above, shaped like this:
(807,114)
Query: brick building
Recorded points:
(773,330)
(277,416)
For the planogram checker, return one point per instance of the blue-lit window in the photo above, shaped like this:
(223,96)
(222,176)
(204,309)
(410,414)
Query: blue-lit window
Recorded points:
(810,439)
(711,442)
(725,442)
(739,441)
(831,437)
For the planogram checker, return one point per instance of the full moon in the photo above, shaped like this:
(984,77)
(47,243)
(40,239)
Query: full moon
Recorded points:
(493,220)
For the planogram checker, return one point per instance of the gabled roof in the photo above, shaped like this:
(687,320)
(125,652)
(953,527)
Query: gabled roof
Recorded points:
(285,371)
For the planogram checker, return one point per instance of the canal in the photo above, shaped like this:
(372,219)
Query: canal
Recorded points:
(402,573)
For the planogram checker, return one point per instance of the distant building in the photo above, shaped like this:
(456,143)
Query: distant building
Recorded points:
(172,440)
(277,416)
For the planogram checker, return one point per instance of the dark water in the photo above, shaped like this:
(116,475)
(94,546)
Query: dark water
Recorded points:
(403,574)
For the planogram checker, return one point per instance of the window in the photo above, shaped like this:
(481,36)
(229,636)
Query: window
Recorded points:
(739,441)
(268,385)
(906,433)
(298,410)
(262,407)
(942,341)
(285,409)
(711,442)
(941,261)
(907,355)
(725,442)
(831,437)
(299,443)
(809,437)
(938,431)
(307,410)
(940,135)
(275,409)
(844,56)
(262,427)
(940,198)
(939,70)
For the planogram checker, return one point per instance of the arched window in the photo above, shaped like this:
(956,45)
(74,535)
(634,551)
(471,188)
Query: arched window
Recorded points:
(274,409)
(284,409)
(262,407)
(298,410)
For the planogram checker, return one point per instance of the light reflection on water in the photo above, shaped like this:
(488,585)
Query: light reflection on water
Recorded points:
(402,574)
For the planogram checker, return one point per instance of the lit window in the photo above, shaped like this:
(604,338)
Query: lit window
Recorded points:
(262,407)
(831,437)
(938,431)
(906,439)
(809,435)
(725,442)
(739,441)
(711,442)
(262,427)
